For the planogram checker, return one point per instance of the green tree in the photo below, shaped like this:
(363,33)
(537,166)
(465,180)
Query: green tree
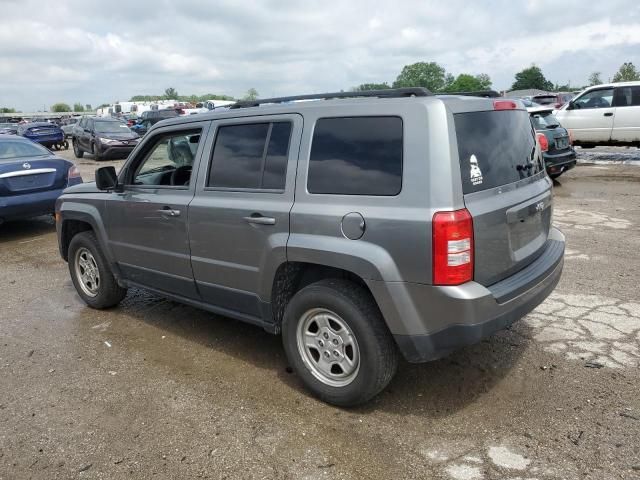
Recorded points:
(627,73)
(171,94)
(87,107)
(60,107)
(469,83)
(422,74)
(252,94)
(371,86)
(7,110)
(78,107)
(531,77)
(594,79)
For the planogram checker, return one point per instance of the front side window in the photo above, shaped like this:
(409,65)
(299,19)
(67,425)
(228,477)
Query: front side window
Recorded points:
(251,156)
(595,99)
(169,161)
(356,156)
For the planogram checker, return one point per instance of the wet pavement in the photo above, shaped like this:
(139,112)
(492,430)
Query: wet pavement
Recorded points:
(154,389)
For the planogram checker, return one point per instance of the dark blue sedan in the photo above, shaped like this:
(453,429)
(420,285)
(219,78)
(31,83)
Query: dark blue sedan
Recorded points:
(31,178)
(47,134)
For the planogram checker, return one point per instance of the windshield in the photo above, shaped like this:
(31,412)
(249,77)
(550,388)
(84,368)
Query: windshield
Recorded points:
(544,120)
(111,127)
(11,149)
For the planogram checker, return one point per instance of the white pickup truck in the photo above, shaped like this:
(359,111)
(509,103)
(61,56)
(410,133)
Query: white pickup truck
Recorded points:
(604,115)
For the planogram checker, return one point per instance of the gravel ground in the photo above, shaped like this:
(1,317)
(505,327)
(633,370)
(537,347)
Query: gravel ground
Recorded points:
(154,389)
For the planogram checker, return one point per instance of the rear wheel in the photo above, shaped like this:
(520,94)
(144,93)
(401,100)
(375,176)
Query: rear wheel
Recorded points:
(76,149)
(337,342)
(90,273)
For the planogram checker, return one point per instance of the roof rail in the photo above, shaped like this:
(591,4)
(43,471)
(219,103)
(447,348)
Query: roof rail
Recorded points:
(479,93)
(386,93)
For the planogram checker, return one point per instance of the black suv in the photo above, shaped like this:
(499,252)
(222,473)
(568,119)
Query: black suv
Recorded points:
(150,118)
(103,137)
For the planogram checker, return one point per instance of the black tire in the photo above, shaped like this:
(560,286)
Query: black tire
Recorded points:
(96,154)
(553,176)
(77,151)
(108,292)
(378,355)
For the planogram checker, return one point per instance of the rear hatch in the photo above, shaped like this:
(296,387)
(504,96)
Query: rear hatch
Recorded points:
(25,175)
(546,123)
(505,189)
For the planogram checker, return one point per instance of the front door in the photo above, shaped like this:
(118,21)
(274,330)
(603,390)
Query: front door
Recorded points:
(239,218)
(147,222)
(590,117)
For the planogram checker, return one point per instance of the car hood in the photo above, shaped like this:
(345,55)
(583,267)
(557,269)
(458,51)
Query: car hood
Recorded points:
(89,187)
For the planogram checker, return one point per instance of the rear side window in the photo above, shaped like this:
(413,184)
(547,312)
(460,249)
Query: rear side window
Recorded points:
(495,148)
(356,156)
(628,96)
(251,156)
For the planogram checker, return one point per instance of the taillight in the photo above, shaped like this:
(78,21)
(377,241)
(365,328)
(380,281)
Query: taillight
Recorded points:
(452,247)
(73,172)
(542,140)
(504,105)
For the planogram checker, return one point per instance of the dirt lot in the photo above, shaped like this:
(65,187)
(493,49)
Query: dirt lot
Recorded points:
(154,389)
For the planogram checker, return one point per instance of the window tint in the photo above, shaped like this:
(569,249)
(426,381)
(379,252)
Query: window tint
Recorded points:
(169,161)
(251,156)
(628,96)
(356,156)
(495,148)
(595,99)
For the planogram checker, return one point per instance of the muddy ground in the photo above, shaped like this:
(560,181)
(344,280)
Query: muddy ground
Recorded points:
(154,389)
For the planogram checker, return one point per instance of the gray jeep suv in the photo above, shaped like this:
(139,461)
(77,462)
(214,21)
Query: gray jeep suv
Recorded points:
(360,226)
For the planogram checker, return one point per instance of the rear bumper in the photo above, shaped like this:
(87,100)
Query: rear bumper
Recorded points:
(28,205)
(560,162)
(429,322)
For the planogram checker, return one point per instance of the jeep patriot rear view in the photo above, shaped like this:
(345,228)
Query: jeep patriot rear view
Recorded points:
(361,226)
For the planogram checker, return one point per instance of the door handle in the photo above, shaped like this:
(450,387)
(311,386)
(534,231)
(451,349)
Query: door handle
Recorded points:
(608,114)
(258,219)
(170,212)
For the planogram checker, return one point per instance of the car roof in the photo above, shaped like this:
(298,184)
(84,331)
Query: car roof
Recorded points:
(541,109)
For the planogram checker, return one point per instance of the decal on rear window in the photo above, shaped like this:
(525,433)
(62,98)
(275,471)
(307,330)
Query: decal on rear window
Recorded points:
(476,173)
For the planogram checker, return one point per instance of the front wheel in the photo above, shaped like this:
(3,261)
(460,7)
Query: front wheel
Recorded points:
(90,273)
(76,149)
(337,342)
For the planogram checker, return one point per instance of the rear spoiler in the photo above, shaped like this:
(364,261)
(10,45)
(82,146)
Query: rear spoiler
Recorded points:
(479,93)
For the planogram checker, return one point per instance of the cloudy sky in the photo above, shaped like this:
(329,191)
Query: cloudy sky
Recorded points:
(99,52)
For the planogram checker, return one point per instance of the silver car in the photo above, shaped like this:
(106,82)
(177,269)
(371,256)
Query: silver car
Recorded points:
(360,226)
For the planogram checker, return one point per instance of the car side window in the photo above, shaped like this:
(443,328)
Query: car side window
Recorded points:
(251,156)
(628,97)
(356,156)
(168,161)
(595,99)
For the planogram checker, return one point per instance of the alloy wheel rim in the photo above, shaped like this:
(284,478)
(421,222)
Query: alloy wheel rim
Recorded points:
(87,272)
(328,347)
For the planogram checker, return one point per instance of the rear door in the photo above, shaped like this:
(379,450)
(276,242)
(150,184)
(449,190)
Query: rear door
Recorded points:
(239,218)
(506,190)
(626,124)
(590,117)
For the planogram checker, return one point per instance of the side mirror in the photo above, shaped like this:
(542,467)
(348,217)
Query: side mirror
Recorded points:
(106,178)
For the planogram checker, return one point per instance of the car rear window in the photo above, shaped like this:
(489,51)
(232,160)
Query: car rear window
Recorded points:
(495,148)
(356,156)
(544,120)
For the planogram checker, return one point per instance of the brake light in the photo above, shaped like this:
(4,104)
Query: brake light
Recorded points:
(452,247)
(73,172)
(542,140)
(504,105)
